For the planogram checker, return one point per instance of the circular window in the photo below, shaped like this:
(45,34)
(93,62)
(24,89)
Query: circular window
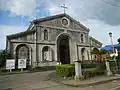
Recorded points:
(65,21)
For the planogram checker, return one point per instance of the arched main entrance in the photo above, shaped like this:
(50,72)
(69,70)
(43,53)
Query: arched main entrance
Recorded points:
(63,52)
(22,52)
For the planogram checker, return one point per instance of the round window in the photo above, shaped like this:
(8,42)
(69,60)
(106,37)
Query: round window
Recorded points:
(64,21)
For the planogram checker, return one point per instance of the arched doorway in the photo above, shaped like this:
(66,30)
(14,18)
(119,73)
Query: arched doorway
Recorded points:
(63,52)
(83,53)
(22,52)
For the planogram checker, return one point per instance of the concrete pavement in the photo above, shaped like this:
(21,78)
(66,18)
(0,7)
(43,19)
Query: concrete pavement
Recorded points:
(26,81)
(92,81)
(41,81)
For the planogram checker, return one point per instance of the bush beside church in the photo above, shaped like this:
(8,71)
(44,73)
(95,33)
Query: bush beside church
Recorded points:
(88,70)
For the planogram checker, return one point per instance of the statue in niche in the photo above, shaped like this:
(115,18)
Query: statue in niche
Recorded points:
(46,56)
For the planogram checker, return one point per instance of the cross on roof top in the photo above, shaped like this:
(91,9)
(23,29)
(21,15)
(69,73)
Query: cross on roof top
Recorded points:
(64,7)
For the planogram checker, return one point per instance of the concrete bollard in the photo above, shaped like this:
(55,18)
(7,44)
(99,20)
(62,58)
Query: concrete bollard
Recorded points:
(108,68)
(78,70)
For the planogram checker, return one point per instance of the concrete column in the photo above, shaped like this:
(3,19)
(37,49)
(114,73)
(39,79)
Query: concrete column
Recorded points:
(35,45)
(50,54)
(78,70)
(108,68)
(55,52)
(30,62)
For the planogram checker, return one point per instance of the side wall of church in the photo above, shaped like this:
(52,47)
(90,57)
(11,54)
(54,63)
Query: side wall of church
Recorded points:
(28,40)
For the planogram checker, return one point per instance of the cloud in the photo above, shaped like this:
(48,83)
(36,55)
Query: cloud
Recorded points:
(19,7)
(98,15)
(80,9)
(7,30)
(100,30)
(88,9)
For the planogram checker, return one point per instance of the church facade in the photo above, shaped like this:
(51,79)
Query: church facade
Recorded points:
(53,39)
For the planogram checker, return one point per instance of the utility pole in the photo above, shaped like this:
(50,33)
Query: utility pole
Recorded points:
(110,34)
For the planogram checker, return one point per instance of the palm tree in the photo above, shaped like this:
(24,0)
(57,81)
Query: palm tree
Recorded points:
(99,54)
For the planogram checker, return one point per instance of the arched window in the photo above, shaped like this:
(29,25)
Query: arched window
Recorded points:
(45,35)
(82,39)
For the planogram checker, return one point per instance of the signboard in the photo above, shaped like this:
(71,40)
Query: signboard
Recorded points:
(21,63)
(10,64)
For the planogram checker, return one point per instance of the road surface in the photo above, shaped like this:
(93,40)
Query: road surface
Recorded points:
(40,81)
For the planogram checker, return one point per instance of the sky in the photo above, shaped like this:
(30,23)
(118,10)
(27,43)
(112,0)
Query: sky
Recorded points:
(100,16)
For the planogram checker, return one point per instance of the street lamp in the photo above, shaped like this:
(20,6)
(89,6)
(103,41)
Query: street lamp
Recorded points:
(110,34)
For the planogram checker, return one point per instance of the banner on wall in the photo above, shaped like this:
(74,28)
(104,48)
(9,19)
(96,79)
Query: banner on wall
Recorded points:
(10,64)
(21,63)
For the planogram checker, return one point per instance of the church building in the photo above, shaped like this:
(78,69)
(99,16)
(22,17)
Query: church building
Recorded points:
(52,39)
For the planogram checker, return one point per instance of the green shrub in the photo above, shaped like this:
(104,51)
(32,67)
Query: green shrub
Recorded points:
(112,66)
(18,71)
(66,70)
(88,71)
(93,65)
(101,66)
(3,56)
(91,72)
(3,70)
(43,68)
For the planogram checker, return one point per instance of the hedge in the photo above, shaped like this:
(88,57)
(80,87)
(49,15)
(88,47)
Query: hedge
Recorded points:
(68,70)
(3,70)
(113,66)
(93,65)
(91,72)
(44,68)
(65,70)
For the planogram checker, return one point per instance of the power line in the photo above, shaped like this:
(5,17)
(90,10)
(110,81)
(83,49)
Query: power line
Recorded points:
(107,2)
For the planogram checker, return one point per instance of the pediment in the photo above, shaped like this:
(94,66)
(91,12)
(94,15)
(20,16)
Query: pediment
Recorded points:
(62,21)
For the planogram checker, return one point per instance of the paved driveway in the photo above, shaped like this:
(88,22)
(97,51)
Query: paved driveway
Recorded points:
(40,81)
(27,81)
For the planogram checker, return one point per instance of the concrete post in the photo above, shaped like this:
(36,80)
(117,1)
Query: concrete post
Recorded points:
(78,70)
(108,68)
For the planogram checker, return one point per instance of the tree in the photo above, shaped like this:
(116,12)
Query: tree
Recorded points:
(118,58)
(95,51)
(99,54)
(3,56)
